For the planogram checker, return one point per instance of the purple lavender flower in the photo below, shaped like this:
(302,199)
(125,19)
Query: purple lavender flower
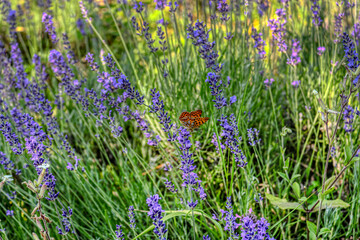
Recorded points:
(138,6)
(320,51)
(49,27)
(277,26)
(259,43)
(200,38)
(6,162)
(215,142)
(258,198)
(66,225)
(294,58)
(296,83)
(69,53)
(81,26)
(160,4)
(16,58)
(145,31)
(251,228)
(315,8)
(173,7)
(230,135)
(190,178)
(158,108)
(90,59)
(269,82)
(228,36)
(348,117)
(11,19)
(350,52)
(206,237)
(263,6)
(333,151)
(224,9)
(131,216)
(215,82)
(170,186)
(84,11)
(41,74)
(253,136)
(10,136)
(155,213)
(356,32)
(118,232)
(10,213)
(338,27)
(233,100)
(230,220)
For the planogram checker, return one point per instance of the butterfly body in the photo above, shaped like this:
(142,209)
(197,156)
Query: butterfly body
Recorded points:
(193,119)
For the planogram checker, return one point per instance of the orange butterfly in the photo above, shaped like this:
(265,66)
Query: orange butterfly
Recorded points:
(192,120)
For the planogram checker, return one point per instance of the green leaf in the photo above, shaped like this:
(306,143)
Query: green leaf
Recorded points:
(294,177)
(329,182)
(324,231)
(330,190)
(296,188)
(348,153)
(312,229)
(338,203)
(284,176)
(283,203)
(186,213)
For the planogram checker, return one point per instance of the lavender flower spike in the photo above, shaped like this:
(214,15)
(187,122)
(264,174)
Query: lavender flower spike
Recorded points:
(132,217)
(155,213)
(49,27)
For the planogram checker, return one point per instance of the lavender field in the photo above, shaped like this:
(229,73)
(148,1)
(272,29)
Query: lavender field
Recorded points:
(189,119)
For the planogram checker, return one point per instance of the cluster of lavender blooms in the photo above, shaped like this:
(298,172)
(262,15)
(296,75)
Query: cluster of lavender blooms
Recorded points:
(277,26)
(258,198)
(115,81)
(158,108)
(253,136)
(252,228)
(315,8)
(36,143)
(190,178)
(356,32)
(338,26)
(200,38)
(66,225)
(47,19)
(348,117)
(231,139)
(295,83)
(230,220)
(131,216)
(118,233)
(350,53)
(269,82)
(263,6)
(294,57)
(10,213)
(259,43)
(224,8)
(320,51)
(155,213)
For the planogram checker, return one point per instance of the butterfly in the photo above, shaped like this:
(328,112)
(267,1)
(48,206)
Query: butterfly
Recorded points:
(193,119)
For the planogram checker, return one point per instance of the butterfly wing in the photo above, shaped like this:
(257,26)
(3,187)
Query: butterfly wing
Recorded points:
(199,121)
(184,116)
(196,114)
